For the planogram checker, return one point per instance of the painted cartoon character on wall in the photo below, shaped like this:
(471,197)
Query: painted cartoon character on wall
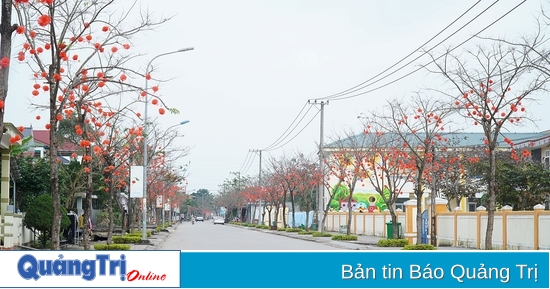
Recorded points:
(372,204)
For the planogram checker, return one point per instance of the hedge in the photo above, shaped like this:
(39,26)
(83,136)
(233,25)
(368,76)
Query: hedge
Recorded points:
(345,237)
(115,247)
(321,234)
(293,229)
(126,239)
(393,243)
(420,247)
(139,234)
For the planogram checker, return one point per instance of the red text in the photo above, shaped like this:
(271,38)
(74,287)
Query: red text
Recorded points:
(134,275)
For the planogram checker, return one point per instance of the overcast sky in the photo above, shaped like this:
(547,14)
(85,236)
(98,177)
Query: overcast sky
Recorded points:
(255,64)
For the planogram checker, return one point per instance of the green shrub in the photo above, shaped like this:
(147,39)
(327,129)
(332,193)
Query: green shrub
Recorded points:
(419,247)
(305,232)
(321,234)
(111,247)
(126,239)
(393,243)
(293,229)
(264,226)
(258,226)
(345,237)
(280,229)
(139,234)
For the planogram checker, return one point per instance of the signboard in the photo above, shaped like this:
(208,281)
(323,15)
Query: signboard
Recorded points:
(136,182)
(159,202)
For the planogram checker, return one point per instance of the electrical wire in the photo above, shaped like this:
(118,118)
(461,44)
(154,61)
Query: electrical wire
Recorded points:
(308,123)
(433,60)
(290,129)
(246,161)
(364,83)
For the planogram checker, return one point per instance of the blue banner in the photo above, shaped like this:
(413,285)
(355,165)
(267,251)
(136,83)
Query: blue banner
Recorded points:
(365,269)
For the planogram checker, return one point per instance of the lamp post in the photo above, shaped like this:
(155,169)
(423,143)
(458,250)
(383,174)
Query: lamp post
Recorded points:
(164,148)
(145,138)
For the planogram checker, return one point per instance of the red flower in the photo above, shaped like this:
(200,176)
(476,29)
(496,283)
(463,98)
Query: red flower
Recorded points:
(20,30)
(4,62)
(44,20)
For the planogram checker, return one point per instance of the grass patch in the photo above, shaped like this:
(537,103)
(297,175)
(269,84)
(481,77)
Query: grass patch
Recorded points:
(305,233)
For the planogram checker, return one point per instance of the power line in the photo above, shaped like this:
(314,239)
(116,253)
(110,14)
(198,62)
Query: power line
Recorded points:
(433,60)
(299,132)
(362,85)
(246,161)
(289,130)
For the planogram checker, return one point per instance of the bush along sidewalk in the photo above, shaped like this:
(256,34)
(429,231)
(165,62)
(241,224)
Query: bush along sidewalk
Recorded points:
(393,243)
(114,247)
(344,237)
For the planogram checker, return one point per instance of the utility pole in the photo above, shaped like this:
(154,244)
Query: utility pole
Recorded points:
(260,217)
(321,191)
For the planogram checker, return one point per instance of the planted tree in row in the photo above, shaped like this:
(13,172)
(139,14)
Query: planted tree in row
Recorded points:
(77,52)
(491,87)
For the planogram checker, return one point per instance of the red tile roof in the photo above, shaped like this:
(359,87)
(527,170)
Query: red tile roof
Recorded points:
(43,137)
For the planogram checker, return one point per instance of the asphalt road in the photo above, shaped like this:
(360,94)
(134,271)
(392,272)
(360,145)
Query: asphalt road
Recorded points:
(207,236)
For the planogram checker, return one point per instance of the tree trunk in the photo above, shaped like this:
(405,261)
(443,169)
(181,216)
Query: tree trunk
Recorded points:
(6,30)
(111,215)
(322,225)
(350,211)
(87,204)
(394,223)
(419,217)
(293,210)
(492,201)
(284,211)
(54,178)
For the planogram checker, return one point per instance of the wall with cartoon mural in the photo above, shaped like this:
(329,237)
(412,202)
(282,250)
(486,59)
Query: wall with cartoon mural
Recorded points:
(364,201)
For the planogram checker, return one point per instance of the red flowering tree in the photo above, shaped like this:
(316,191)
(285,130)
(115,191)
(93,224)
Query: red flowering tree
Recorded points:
(419,126)
(492,87)
(78,52)
(273,193)
(345,163)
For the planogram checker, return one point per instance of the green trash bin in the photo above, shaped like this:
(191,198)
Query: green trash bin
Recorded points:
(314,227)
(389,227)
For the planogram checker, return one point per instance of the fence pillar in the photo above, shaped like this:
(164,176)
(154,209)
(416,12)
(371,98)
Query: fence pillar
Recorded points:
(505,211)
(410,217)
(537,209)
(480,210)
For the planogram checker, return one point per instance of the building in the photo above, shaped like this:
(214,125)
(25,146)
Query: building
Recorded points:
(538,143)
(11,223)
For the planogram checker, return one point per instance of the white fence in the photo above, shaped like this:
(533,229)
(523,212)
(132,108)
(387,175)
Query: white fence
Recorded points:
(522,230)
(367,224)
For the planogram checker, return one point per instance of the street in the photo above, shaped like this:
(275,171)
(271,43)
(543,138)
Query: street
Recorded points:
(207,236)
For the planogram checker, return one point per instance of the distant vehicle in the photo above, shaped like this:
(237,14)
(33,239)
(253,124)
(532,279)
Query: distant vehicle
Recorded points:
(219,220)
(199,219)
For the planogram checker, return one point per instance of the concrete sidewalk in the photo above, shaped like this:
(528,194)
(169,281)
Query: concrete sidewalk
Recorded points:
(362,243)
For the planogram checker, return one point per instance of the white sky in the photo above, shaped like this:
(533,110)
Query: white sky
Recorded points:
(256,63)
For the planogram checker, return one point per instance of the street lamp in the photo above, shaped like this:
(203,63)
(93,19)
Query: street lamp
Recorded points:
(145,138)
(164,148)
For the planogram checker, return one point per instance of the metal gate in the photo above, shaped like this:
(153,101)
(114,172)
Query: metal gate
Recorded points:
(425,227)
